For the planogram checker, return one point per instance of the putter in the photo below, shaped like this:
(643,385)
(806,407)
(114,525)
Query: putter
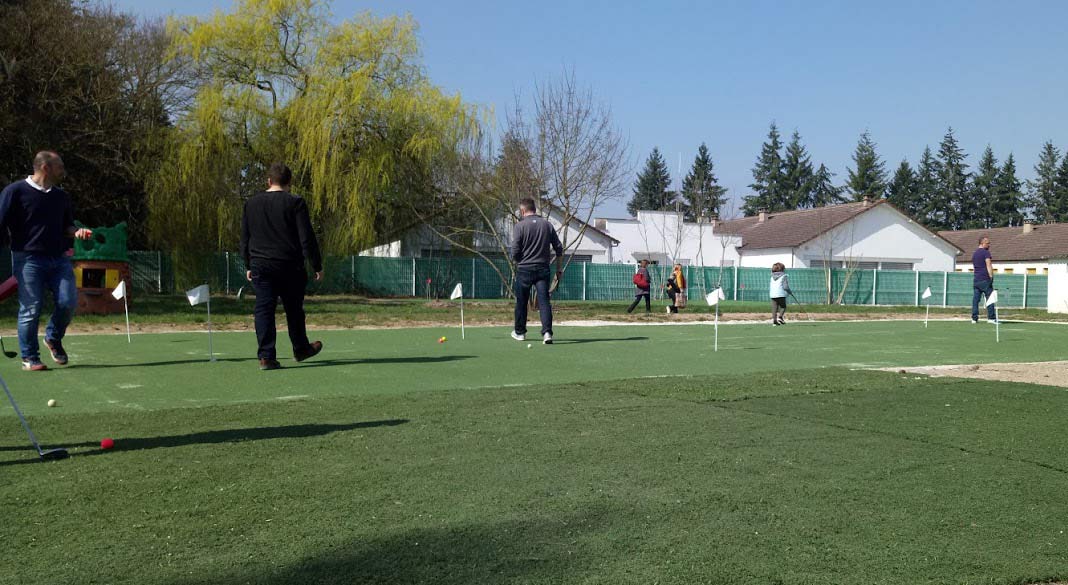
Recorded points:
(7,354)
(49,454)
(801,307)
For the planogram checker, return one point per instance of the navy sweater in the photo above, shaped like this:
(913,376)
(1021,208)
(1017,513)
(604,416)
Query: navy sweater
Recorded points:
(36,221)
(276,229)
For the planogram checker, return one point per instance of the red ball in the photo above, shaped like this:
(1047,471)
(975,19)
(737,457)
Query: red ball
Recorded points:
(107,443)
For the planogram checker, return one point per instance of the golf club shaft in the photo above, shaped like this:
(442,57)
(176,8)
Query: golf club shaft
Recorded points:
(25,424)
(3,349)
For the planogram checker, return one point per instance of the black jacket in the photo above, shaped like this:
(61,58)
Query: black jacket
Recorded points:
(276,229)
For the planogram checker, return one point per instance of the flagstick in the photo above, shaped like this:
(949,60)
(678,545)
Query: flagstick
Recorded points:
(211,351)
(997,325)
(928,316)
(463,335)
(127,308)
(716,346)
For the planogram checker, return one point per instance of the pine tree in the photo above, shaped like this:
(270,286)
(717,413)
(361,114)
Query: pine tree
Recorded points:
(651,189)
(903,191)
(931,199)
(869,178)
(984,193)
(953,183)
(1060,190)
(1008,199)
(824,192)
(1043,189)
(700,189)
(797,176)
(767,177)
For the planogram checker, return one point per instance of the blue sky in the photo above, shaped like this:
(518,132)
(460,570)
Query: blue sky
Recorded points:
(679,73)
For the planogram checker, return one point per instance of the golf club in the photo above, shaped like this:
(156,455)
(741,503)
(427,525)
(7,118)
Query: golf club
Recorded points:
(800,306)
(49,454)
(7,354)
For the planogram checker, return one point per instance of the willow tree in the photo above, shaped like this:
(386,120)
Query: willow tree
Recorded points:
(346,104)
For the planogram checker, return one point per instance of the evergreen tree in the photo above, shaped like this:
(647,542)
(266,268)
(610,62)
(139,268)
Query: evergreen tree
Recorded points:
(953,183)
(984,193)
(797,176)
(869,178)
(1060,190)
(1008,199)
(700,189)
(651,189)
(767,183)
(824,192)
(1043,189)
(903,191)
(931,199)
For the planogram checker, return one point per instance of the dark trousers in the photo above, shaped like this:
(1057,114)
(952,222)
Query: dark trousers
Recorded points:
(637,299)
(525,278)
(778,309)
(272,282)
(982,287)
(672,307)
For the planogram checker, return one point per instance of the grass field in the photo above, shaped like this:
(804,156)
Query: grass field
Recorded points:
(623,454)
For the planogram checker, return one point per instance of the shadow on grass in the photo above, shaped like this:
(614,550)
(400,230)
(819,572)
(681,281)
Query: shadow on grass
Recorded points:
(536,550)
(286,365)
(606,339)
(215,437)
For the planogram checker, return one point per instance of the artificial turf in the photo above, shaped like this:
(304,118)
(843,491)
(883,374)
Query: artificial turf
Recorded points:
(400,460)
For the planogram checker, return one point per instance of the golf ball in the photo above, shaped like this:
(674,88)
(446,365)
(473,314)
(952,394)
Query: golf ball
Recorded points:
(529,346)
(52,402)
(442,340)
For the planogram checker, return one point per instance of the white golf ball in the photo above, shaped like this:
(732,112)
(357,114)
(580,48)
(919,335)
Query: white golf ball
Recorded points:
(529,346)
(52,402)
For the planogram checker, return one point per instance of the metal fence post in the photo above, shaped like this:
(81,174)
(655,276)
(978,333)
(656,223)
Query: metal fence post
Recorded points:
(413,276)
(159,272)
(227,273)
(917,288)
(874,284)
(1025,291)
(736,282)
(584,281)
(352,271)
(472,295)
(945,289)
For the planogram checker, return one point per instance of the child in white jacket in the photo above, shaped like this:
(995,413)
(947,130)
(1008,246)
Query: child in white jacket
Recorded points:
(780,287)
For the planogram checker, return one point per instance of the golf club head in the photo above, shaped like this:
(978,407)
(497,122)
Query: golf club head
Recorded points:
(54,454)
(7,354)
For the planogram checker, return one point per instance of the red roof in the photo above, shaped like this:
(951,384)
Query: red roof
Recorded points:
(1045,241)
(790,229)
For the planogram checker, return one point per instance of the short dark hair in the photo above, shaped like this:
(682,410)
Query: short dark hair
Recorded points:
(279,175)
(44,158)
(981,238)
(527,205)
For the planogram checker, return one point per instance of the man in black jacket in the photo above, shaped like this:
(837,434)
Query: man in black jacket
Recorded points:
(276,239)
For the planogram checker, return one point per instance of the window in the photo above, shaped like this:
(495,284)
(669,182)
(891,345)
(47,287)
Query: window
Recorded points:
(823,264)
(867,265)
(897,265)
(958,270)
(1045,271)
(1032,271)
(1006,270)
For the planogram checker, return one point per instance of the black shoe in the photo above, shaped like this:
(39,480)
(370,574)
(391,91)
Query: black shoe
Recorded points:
(59,355)
(266,364)
(311,351)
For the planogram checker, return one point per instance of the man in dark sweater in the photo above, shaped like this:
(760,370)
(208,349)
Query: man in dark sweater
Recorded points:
(982,279)
(39,218)
(532,239)
(276,239)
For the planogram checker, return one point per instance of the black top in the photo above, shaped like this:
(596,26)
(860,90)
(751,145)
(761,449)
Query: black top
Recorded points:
(276,228)
(37,222)
(532,238)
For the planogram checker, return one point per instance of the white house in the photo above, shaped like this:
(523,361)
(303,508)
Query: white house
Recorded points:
(664,237)
(866,234)
(584,242)
(1025,249)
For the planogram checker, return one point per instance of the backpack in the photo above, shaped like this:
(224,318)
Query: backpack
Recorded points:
(640,281)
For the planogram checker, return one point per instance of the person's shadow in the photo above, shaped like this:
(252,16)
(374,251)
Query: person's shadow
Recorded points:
(600,340)
(215,437)
(286,365)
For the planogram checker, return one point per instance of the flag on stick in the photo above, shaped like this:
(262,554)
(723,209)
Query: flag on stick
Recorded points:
(202,294)
(713,298)
(926,295)
(458,293)
(992,299)
(120,293)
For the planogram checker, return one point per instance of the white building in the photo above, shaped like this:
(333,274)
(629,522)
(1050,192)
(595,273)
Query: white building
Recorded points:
(866,234)
(584,242)
(1025,249)
(664,237)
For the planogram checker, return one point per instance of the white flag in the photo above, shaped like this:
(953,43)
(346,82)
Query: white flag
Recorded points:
(198,295)
(713,298)
(457,292)
(120,291)
(926,294)
(993,298)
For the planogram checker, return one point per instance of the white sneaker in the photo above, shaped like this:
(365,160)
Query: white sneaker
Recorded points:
(667,310)
(518,336)
(974,321)
(547,339)
(992,321)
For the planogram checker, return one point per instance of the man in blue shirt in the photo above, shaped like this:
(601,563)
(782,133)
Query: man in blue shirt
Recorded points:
(983,282)
(39,219)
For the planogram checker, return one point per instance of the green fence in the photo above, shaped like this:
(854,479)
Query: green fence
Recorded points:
(153,272)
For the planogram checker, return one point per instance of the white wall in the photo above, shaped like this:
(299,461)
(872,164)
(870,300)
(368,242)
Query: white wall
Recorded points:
(1057,293)
(1039,267)
(768,256)
(663,236)
(882,235)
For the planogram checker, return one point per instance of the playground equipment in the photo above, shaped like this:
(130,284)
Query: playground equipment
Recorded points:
(100,264)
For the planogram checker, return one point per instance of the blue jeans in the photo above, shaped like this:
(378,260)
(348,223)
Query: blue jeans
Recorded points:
(982,287)
(537,277)
(37,273)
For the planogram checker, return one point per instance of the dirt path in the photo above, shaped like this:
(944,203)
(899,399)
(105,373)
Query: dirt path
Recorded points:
(1046,373)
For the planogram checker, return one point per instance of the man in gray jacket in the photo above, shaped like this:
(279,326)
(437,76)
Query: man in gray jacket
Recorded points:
(532,239)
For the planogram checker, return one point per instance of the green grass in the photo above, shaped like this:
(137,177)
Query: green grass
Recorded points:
(395,459)
(353,311)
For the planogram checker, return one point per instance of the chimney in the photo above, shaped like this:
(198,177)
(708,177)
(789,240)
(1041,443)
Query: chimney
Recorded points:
(762,216)
(600,223)
(1028,227)
(867,201)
